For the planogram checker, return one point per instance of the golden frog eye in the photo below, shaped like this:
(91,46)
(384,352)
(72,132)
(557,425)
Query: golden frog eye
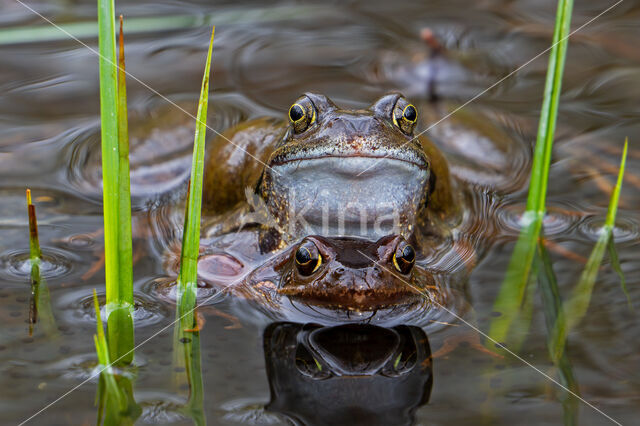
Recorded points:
(302,114)
(405,116)
(308,258)
(404,258)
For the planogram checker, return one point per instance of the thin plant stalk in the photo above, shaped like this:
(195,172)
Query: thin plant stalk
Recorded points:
(34,256)
(117,221)
(187,280)
(125,248)
(514,288)
(186,335)
(123,332)
(576,307)
(34,242)
(39,302)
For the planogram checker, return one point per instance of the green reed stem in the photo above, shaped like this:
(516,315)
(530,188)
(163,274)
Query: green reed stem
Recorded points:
(35,255)
(513,291)
(187,281)
(186,336)
(116,196)
(125,249)
(576,307)
(34,243)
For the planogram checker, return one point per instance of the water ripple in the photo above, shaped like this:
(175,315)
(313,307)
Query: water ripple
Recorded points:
(55,263)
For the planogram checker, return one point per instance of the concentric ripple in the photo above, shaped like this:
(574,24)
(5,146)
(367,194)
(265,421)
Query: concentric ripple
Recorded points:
(84,366)
(556,221)
(55,263)
(165,290)
(626,228)
(146,310)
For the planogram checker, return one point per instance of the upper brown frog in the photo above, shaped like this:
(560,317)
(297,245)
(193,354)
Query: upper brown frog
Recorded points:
(334,172)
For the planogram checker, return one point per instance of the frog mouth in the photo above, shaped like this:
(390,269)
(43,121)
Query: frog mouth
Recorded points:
(345,298)
(371,159)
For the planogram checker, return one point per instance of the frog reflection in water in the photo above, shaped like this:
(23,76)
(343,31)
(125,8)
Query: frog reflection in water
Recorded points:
(349,374)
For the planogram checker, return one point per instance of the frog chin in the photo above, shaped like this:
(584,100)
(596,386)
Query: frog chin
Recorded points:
(356,196)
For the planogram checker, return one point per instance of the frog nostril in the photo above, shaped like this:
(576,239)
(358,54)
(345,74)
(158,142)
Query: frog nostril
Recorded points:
(340,271)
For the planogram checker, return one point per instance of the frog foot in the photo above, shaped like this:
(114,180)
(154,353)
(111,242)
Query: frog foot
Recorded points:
(235,322)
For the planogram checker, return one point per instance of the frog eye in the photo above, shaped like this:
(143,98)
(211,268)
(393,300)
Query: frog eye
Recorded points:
(404,258)
(308,258)
(405,116)
(302,114)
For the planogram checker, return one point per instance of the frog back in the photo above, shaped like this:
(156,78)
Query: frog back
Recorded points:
(235,161)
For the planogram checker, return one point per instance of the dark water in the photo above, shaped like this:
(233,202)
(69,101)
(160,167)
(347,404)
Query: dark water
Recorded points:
(264,57)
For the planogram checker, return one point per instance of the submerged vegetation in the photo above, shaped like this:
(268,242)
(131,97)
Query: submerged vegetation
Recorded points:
(574,309)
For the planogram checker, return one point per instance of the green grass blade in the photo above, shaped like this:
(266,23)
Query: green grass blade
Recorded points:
(576,307)
(121,331)
(518,276)
(549,111)
(186,337)
(187,281)
(117,222)
(124,193)
(109,135)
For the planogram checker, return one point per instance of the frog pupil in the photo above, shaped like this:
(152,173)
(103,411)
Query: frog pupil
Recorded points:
(408,254)
(410,113)
(303,256)
(296,112)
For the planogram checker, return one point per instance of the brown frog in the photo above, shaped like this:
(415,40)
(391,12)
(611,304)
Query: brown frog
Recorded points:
(348,274)
(333,172)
